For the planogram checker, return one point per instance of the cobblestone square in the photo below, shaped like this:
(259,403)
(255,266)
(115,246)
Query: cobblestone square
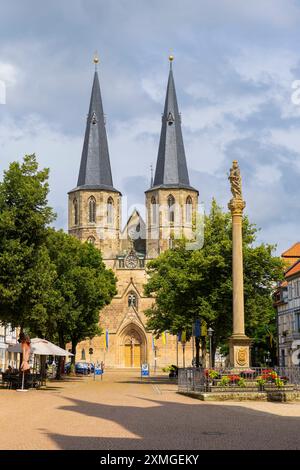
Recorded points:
(121,412)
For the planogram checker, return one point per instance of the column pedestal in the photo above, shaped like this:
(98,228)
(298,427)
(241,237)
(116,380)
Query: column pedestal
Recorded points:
(239,351)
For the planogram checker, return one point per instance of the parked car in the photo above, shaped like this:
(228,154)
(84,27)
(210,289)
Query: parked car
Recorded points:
(84,368)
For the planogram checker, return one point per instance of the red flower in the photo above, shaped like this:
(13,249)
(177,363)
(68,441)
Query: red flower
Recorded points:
(234,378)
(269,374)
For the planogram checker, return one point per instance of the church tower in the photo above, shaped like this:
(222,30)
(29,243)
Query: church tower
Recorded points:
(94,216)
(171,202)
(95,205)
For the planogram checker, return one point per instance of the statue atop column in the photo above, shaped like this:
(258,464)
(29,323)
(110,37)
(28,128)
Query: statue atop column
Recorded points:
(239,343)
(236,204)
(235,180)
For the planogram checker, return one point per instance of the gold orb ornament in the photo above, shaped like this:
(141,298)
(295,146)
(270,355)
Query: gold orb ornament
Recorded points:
(96,58)
(171,58)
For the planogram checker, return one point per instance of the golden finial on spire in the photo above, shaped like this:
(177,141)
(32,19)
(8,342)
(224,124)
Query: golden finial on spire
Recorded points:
(171,57)
(96,58)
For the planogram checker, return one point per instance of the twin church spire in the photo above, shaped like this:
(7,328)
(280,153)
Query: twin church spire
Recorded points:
(171,167)
(95,169)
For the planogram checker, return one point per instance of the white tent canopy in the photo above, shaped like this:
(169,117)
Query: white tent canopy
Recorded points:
(41,347)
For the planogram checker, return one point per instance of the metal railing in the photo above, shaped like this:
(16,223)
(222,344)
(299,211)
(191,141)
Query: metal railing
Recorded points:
(292,373)
(194,379)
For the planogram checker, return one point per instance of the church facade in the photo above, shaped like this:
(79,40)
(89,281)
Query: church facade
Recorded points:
(95,217)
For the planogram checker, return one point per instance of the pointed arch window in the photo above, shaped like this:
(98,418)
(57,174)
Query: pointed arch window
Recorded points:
(83,354)
(188,210)
(92,209)
(75,212)
(132,299)
(171,208)
(153,211)
(91,240)
(110,210)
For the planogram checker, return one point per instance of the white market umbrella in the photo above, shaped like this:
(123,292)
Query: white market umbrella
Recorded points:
(41,347)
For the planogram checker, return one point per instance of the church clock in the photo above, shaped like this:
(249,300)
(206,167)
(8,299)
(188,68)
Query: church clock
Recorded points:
(131,260)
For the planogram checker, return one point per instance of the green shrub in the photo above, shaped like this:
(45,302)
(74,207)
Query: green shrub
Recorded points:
(260,381)
(224,381)
(278,382)
(213,374)
(241,382)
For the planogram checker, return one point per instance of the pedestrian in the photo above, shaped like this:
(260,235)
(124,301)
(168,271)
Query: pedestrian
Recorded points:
(9,370)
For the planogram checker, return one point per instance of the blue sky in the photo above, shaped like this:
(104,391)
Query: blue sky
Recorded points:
(235,63)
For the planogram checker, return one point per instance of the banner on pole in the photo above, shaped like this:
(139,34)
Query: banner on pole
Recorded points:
(197,329)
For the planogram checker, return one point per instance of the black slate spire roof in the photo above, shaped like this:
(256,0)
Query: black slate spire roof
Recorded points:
(171,167)
(95,170)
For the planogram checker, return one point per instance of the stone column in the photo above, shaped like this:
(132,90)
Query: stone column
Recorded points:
(239,343)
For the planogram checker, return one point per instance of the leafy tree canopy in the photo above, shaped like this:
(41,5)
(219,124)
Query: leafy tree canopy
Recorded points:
(25,267)
(198,284)
(50,282)
(84,286)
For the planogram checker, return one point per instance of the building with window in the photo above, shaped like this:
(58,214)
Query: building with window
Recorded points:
(8,336)
(95,216)
(287,303)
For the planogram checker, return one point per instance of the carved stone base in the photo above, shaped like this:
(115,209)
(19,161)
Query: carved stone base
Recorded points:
(239,351)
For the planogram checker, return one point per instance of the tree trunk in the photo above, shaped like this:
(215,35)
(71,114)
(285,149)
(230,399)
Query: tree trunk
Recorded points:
(43,369)
(73,351)
(61,359)
(197,347)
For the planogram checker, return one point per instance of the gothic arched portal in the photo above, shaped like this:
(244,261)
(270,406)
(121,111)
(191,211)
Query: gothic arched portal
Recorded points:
(133,346)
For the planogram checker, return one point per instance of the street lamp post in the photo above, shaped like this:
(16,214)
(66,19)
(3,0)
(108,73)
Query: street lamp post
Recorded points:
(183,355)
(155,359)
(268,359)
(210,334)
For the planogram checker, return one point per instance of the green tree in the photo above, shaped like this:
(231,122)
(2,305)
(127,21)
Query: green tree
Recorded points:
(26,271)
(83,284)
(50,283)
(198,284)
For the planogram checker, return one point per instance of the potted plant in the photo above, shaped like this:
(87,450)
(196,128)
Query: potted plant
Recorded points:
(269,375)
(234,379)
(260,382)
(278,382)
(224,381)
(241,382)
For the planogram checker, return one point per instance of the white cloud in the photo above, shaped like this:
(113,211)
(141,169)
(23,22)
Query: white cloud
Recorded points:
(286,137)
(153,88)
(53,149)
(8,78)
(274,71)
(234,67)
(133,147)
(267,174)
(8,73)
(279,13)
(206,149)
